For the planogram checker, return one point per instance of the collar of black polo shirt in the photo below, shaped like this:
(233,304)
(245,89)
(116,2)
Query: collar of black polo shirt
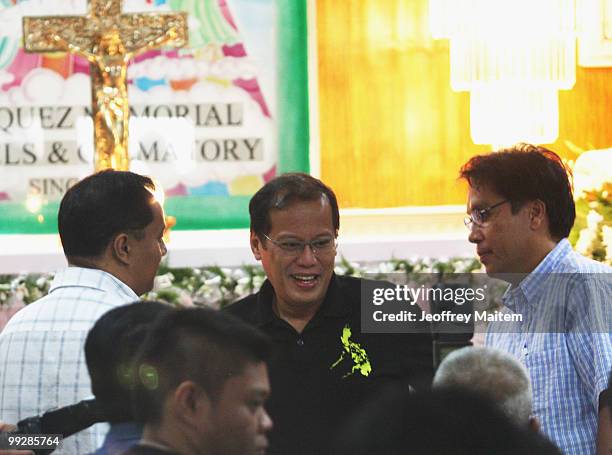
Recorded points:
(335,303)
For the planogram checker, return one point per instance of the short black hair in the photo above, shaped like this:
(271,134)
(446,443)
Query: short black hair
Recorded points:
(440,422)
(100,206)
(525,173)
(199,344)
(110,348)
(284,190)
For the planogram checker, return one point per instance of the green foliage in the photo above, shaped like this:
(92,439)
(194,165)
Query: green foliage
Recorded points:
(216,286)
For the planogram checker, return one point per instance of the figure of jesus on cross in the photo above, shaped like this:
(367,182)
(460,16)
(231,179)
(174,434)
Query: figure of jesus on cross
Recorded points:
(108,40)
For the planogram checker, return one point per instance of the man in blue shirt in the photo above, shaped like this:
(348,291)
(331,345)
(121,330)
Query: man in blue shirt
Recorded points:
(520,212)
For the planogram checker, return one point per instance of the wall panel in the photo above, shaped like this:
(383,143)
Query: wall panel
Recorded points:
(392,132)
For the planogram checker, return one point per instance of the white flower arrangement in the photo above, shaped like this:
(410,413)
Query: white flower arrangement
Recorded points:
(216,287)
(592,233)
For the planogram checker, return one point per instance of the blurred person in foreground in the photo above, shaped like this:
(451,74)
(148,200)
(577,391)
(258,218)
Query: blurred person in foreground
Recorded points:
(202,382)
(110,348)
(445,421)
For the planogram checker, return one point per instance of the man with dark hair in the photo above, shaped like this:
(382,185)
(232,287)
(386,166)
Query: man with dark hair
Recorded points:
(110,348)
(323,366)
(520,212)
(111,229)
(201,386)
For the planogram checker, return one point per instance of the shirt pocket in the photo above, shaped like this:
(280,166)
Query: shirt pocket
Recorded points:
(544,370)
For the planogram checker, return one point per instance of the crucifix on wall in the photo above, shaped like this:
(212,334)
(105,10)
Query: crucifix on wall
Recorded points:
(108,39)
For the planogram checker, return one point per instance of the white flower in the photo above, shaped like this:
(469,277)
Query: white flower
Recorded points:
(593,219)
(16,282)
(239,274)
(243,289)
(209,294)
(163,281)
(585,240)
(257,282)
(214,281)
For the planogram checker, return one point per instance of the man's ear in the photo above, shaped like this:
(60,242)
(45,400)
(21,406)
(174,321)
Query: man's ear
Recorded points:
(537,214)
(256,246)
(191,403)
(121,248)
(534,424)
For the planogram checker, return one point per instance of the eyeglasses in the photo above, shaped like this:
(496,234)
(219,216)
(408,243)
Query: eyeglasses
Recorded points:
(321,245)
(479,217)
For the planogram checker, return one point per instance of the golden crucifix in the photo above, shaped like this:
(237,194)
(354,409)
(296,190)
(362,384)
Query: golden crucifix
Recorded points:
(108,39)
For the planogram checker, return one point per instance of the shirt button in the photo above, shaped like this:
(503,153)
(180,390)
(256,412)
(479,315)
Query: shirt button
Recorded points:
(300,342)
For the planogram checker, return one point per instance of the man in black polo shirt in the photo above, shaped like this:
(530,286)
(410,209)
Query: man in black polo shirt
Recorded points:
(323,367)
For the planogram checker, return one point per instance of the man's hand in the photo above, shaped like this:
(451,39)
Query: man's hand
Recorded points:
(7,427)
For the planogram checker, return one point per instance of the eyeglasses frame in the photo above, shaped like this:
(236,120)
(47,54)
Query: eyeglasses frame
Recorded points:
(469,220)
(304,245)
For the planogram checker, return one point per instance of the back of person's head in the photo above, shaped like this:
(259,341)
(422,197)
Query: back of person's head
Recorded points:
(440,422)
(110,348)
(201,345)
(526,173)
(493,373)
(284,190)
(100,206)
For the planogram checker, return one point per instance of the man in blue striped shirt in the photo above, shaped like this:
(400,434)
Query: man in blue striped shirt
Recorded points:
(520,212)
